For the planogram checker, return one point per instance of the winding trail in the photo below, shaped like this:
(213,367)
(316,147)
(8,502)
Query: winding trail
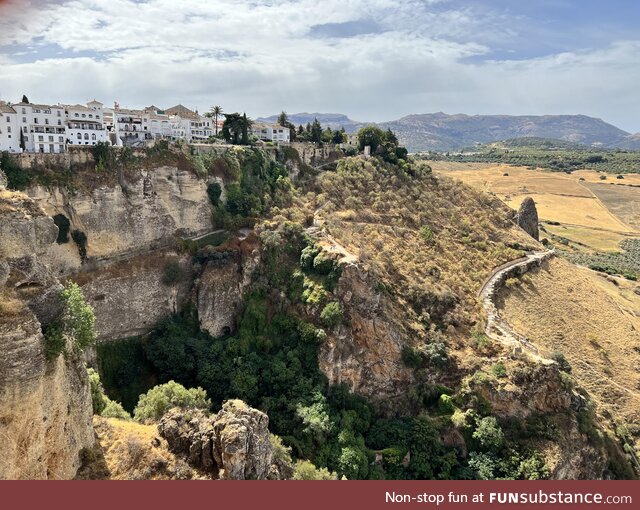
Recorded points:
(497,327)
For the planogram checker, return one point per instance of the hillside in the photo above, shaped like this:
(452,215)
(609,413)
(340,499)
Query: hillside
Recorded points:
(439,131)
(341,305)
(332,120)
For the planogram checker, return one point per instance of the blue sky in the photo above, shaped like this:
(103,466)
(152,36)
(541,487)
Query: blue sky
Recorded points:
(371,59)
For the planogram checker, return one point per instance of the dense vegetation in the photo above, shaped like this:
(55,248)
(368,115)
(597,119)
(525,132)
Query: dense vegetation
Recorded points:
(555,155)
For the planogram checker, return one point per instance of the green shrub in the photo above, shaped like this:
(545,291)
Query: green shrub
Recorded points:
(173,273)
(412,357)
(488,433)
(305,470)
(437,354)
(54,341)
(98,398)
(307,256)
(427,233)
(331,314)
(322,264)
(562,362)
(17,178)
(157,401)
(214,190)
(499,370)
(115,410)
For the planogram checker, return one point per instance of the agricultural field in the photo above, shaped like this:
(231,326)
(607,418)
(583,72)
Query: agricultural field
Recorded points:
(592,221)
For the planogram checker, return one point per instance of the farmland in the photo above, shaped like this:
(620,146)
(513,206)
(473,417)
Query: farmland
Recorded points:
(591,221)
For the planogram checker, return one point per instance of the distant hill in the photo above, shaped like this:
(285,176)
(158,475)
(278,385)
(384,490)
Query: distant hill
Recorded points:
(332,120)
(439,131)
(443,132)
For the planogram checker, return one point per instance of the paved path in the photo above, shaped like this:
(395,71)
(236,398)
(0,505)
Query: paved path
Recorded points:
(497,327)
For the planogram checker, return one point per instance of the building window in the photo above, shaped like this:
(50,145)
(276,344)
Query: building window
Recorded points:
(41,138)
(59,113)
(59,122)
(50,147)
(86,136)
(77,115)
(24,111)
(61,138)
(26,138)
(8,129)
(79,136)
(24,129)
(35,121)
(51,138)
(46,121)
(97,116)
(8,119)
(93,136)
(24,120)
(41,148)
(84,116)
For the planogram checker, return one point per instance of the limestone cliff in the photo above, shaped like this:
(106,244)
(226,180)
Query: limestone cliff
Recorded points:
(45,406)
(133,217)
(366,355)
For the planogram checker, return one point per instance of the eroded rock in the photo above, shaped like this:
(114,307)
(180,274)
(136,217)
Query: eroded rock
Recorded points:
(527,218)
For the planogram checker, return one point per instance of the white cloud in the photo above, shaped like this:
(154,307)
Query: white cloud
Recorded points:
(259,56)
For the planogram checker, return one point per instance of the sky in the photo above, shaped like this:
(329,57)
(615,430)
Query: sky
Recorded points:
(374,60)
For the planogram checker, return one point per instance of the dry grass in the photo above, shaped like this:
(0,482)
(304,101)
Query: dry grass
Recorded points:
(127,450)
(593,322)
(602,241)
(378,215)
(623,201)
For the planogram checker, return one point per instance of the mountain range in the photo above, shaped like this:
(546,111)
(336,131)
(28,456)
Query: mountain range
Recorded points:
(444,132)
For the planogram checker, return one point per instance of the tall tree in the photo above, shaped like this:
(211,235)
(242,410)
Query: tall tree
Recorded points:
(245,129)
(283,119)
(25,99)
(215,112)
(316,131)
(23,146)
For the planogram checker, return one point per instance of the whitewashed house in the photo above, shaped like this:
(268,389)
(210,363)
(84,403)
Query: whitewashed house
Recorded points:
(9,129)
(85,124)
(271,132)
(43,127)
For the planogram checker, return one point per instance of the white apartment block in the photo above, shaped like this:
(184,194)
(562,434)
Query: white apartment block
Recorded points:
(271,132)
(9,129)
(85,124)
(43,127)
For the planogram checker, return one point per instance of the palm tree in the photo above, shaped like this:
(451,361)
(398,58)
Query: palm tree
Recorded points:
(215,111)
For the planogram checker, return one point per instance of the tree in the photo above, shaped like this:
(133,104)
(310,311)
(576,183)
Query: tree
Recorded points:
(338,136)
(372,136)
(245,129)
(157,401)
(283,119)
(23,146)
(25,99)
(75,326)
(236,128)
(215,112)
(316,131)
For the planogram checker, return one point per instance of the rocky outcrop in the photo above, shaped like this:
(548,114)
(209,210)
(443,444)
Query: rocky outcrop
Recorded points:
(527,218)
(130,297)
(234,444)
(367,355)
(45,406)
(220,289)
(132,217)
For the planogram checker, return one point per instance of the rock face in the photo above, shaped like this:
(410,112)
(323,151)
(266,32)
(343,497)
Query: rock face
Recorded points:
(220,289)
(131,218)
(131,297)
(45,406)
(368,355)
(233,445)
(527,218)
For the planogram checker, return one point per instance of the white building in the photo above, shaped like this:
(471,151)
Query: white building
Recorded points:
(85,124)
(271,132)
(9,129)
(157,122)
(43,127)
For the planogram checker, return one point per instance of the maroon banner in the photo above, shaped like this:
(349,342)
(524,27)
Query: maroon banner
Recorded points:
(282,495)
